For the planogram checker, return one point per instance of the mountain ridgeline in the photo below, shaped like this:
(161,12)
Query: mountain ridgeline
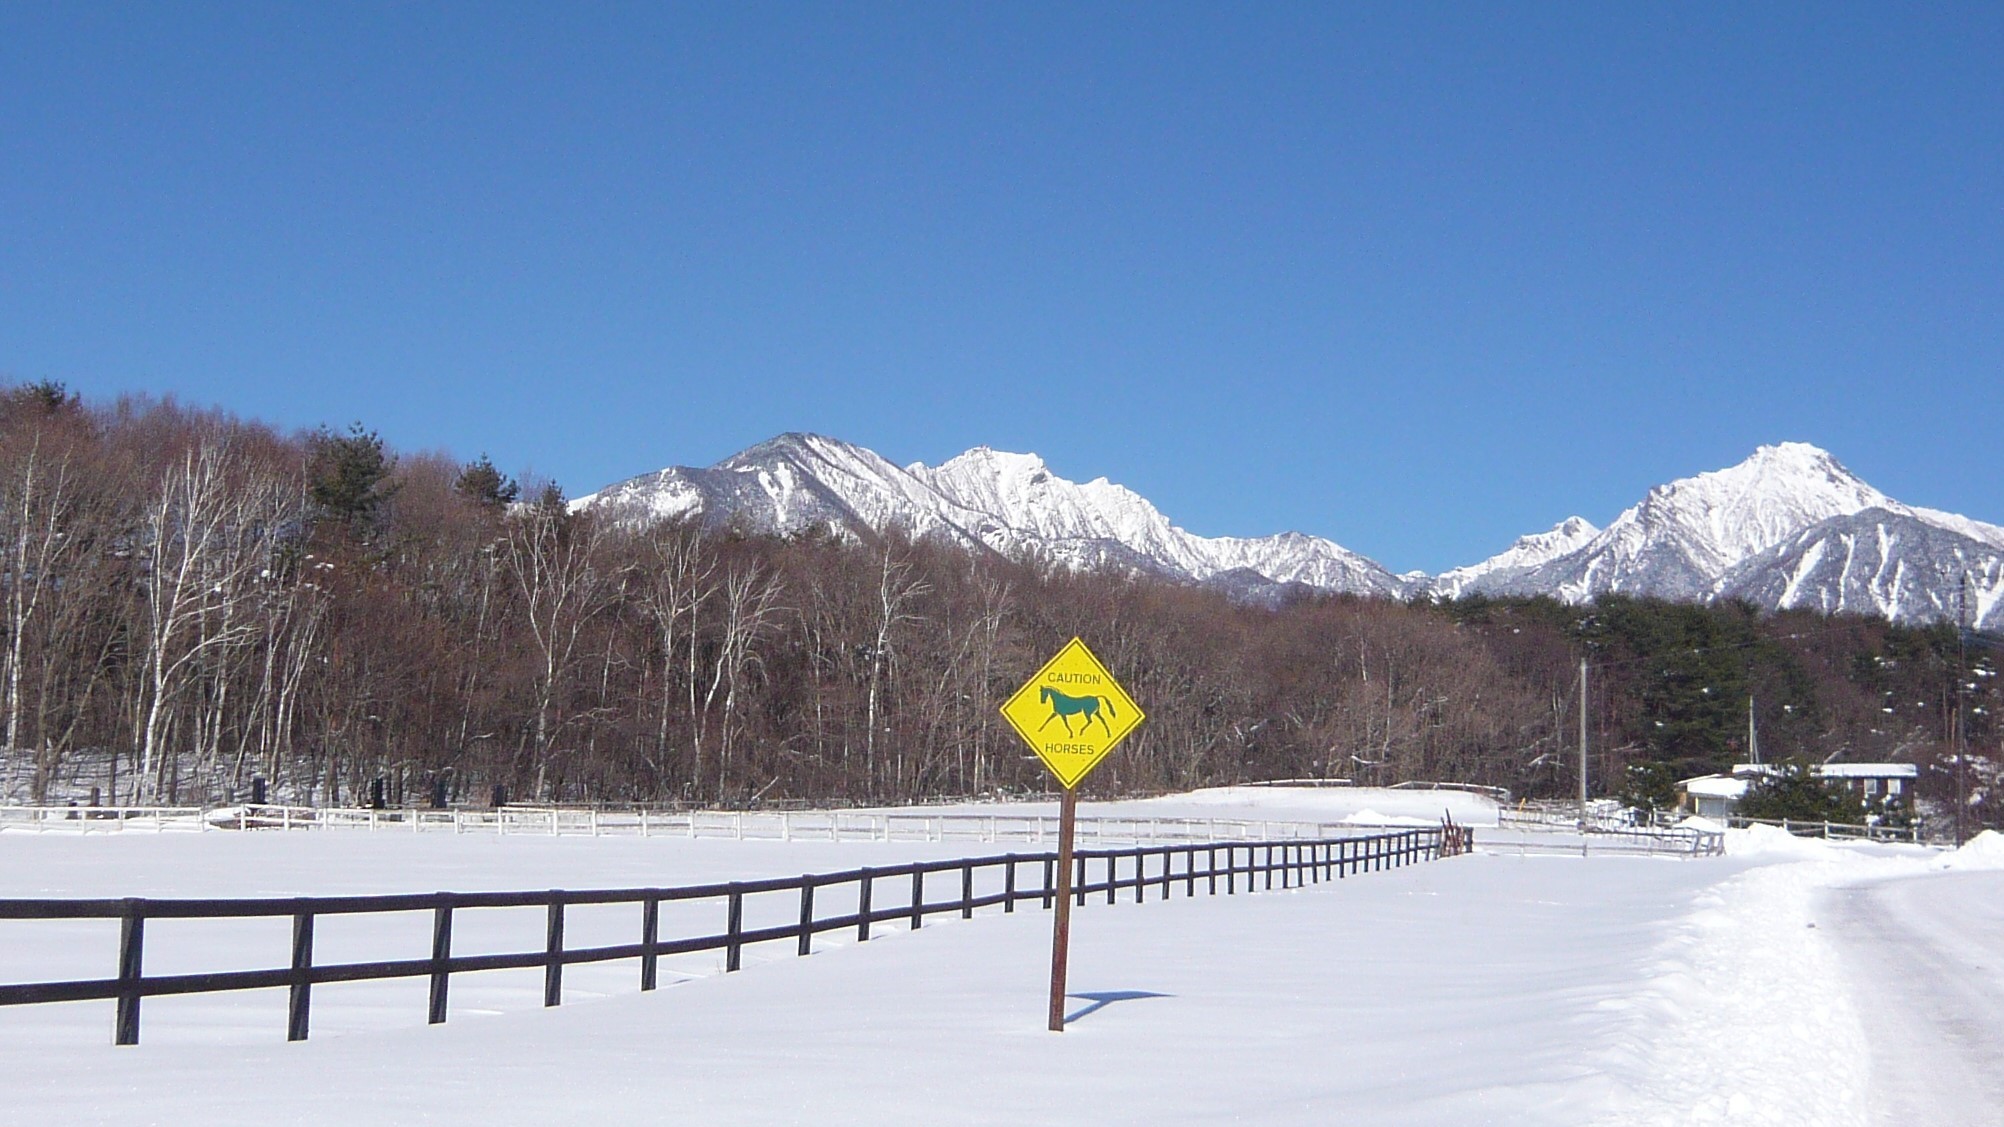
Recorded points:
(190,602)
(1789,528)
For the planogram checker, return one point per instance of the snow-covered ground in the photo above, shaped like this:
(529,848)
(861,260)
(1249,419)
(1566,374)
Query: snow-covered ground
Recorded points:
(1361,806)
(1491,989)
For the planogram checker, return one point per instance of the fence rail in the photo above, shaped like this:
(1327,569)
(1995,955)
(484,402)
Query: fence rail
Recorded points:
(1139,872)
(1641,841)
(1834,831)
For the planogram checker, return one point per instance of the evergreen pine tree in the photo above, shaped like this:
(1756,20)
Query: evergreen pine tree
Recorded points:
(349,476)
(482,484)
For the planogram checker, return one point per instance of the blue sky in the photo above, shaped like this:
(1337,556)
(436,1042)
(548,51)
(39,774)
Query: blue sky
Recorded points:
(1417,278)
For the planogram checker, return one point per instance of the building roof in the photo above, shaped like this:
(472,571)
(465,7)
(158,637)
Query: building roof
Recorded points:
(1869,771)
(1715,786)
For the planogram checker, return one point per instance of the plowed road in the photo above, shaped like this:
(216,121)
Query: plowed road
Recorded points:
(1926,961)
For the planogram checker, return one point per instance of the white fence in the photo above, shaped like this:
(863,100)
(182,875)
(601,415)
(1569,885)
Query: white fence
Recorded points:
(808,825)
(1527,840)
(104,819)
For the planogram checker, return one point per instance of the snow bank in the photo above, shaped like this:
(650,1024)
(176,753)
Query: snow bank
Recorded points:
(1774,843)
(1741,1020)
(1984,851)
(1369,817)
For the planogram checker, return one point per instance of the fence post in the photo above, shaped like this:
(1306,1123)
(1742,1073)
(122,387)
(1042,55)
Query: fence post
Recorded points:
(553,952)
(299,1003)
(733,928)
(131,951)
(1231,870)
(1009,884)
(806,915)
(863,906)
(1079,880)
(650,938)
(1168,863)
(918,894)
(967,892)
(1189,871)
(1112,871)
(441,958)
(1050,877)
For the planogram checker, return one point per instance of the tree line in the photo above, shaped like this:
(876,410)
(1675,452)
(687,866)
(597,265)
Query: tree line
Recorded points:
(193,601)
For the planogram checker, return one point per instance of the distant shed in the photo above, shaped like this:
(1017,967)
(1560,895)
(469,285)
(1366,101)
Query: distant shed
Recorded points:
(1716,796)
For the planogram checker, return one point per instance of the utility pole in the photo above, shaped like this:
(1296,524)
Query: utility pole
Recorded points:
(1583,779)
(1961,718)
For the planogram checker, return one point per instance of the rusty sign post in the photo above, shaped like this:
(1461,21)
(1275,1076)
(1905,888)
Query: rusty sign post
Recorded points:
(1093,714)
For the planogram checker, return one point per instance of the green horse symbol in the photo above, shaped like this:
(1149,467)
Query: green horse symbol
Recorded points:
(1065,707)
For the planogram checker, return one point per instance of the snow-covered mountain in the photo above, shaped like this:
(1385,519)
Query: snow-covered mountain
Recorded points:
(1528,553)
(1895,564)
(1788,527)
(1010,503)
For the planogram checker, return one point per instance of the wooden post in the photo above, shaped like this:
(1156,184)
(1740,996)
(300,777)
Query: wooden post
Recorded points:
(918,894)
(131,950)
(553,953)
(1009,884)
(967,892)
(300,1000)
(863,906)
(650,937)
(441,956)
(1061,926)
(734,926)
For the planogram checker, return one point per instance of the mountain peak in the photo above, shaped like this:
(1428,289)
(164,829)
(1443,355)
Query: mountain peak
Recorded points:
(988,461)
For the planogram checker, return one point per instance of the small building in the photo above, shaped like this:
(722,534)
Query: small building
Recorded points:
(1716,796)
(1711,796)
(1871,781)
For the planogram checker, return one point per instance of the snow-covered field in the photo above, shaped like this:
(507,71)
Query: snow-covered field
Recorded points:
(1490,989)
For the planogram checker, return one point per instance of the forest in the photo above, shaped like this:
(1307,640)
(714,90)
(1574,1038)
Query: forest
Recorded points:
(192,604)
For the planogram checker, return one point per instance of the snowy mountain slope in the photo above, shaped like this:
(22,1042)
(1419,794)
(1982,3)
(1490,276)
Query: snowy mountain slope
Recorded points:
(1684,535)
(1879,562)
(1527,553)
(1788,527)
(787,485)
(1011,503)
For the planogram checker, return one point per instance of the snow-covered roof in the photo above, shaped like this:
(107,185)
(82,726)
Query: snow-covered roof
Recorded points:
(1869,771)
(1715,786)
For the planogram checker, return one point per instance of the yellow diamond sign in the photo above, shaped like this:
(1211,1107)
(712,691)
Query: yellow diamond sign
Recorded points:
(1072,713)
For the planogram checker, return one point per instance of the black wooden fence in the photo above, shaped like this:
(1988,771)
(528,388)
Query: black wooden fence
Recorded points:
(1249,866)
